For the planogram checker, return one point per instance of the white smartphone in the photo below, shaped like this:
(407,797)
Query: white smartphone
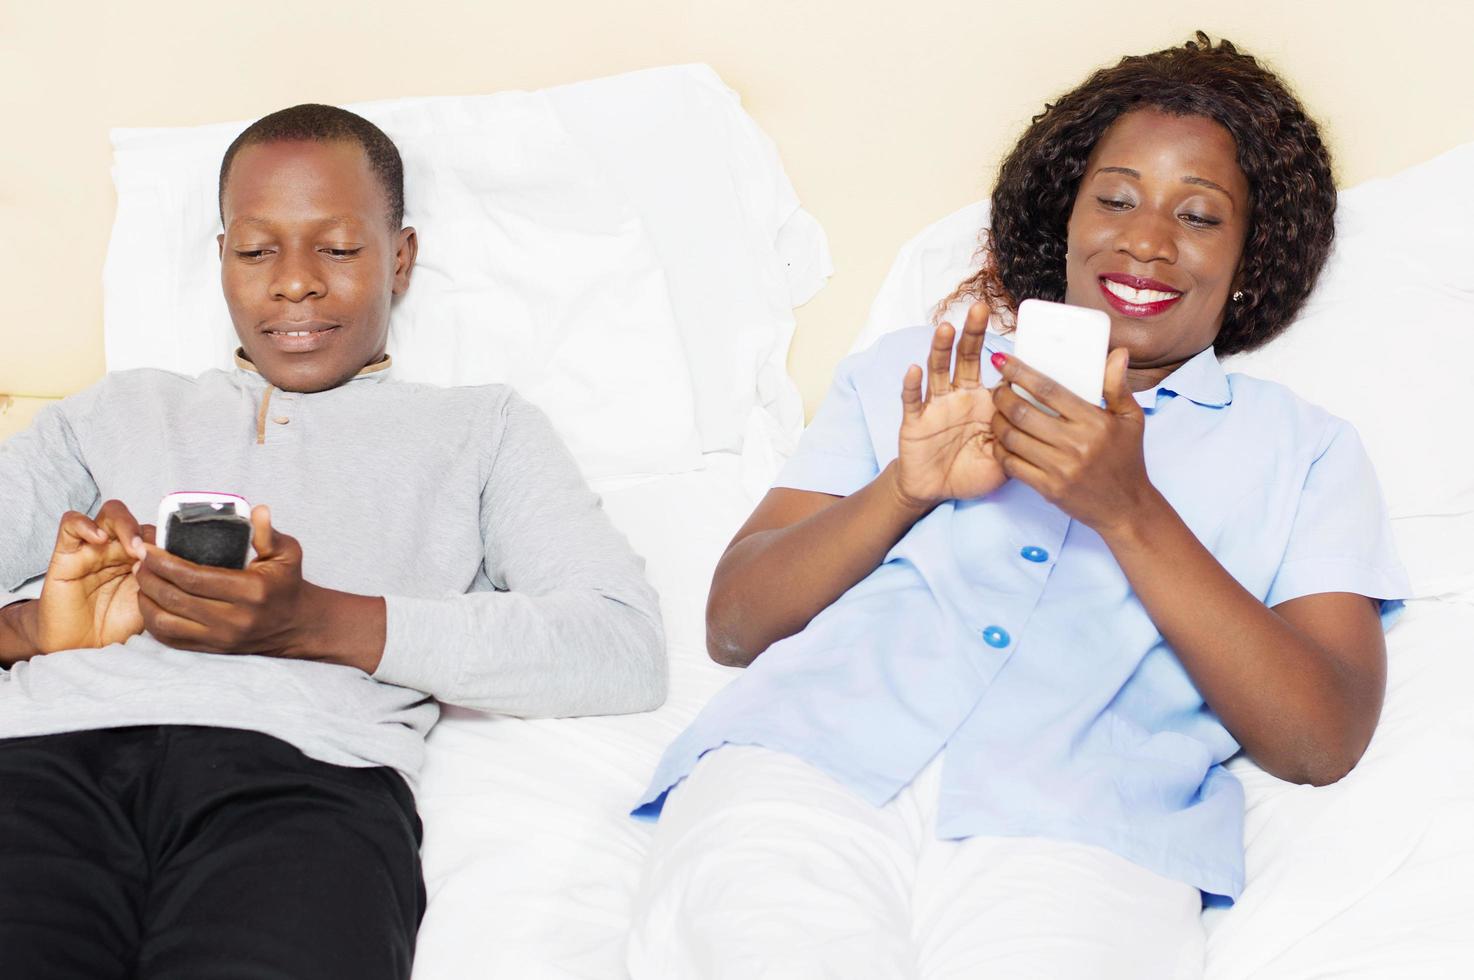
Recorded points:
(1066,343)
(206,528)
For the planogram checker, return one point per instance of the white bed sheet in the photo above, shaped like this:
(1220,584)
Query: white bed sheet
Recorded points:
(1372,877)
(531,862)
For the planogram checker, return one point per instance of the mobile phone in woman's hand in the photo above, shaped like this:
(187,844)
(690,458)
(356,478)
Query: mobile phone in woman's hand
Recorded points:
(1066,343)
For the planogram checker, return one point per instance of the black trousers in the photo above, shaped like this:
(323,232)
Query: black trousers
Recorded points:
(181,853)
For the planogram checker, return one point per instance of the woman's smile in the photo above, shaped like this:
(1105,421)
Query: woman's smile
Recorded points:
(1136,296)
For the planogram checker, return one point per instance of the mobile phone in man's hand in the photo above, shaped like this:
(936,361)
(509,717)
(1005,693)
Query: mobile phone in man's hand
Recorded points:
(206,528)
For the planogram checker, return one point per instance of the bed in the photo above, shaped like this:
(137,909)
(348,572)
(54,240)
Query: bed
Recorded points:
(694,251)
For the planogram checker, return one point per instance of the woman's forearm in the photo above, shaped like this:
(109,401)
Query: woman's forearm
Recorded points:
(771,583)
(1296,708)
(17,629)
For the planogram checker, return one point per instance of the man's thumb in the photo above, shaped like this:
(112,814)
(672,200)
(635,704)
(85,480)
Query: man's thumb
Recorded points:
(263,535)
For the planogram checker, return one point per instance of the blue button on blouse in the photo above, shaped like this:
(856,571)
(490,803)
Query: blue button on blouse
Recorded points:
(1085,726)
(996,636)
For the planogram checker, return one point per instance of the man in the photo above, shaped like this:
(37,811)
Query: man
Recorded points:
(203,772)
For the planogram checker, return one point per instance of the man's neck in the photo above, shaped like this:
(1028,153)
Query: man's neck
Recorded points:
(379,364)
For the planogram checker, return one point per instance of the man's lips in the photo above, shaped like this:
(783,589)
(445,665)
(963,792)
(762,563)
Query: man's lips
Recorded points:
(1137,296)
(297,326)
(299,336)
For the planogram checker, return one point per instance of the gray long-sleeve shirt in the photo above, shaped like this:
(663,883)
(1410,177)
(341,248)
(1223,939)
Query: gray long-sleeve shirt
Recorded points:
(506,586)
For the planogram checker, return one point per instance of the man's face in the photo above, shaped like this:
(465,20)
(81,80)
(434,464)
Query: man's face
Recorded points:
(308,261)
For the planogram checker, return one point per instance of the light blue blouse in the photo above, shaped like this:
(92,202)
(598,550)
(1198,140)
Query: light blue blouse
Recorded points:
(1006,633)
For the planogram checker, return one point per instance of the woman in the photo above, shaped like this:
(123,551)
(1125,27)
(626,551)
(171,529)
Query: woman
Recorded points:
(999,657)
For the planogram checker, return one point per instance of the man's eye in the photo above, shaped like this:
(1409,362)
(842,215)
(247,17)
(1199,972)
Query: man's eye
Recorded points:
(342,253)
(251,253)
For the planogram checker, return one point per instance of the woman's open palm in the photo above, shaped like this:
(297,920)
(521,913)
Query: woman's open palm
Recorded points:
(946,439)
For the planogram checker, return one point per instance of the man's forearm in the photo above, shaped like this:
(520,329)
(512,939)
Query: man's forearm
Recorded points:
(344,629)
(17,632)
(580,650)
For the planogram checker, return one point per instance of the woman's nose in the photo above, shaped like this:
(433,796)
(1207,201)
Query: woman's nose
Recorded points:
(1148,236)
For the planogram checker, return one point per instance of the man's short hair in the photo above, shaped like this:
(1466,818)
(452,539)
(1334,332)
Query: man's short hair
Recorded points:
(315,123)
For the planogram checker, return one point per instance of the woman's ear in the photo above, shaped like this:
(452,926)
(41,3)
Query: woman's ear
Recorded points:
(1240,278)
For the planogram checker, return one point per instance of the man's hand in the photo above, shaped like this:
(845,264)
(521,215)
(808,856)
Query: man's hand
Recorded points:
(217,610)
(266,609)
(90,596)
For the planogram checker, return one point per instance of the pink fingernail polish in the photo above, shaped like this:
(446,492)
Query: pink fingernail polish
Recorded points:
(999,359)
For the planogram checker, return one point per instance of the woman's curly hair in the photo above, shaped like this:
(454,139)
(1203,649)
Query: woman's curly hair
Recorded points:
(1293,195)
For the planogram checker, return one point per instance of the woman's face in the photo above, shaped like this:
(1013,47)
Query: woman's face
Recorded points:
(1156,235)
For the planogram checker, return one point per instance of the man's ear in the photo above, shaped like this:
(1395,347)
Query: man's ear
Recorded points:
(220,244)
(407,249)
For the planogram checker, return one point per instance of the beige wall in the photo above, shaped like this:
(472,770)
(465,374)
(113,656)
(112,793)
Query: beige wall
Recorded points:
(888,114)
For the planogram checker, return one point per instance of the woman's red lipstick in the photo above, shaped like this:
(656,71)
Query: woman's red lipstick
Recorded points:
(1131,305)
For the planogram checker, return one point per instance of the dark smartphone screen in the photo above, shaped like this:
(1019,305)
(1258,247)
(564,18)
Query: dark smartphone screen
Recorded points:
(207,534)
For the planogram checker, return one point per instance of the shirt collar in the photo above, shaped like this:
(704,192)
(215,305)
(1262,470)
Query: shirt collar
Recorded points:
(1200,380)
(376,371)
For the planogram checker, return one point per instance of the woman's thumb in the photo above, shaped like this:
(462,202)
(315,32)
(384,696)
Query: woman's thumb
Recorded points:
(1118,397)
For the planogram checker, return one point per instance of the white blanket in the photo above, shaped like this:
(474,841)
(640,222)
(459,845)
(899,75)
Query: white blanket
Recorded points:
(532,863)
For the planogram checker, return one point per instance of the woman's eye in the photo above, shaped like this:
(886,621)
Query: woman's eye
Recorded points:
(1201,221)
(1114,204)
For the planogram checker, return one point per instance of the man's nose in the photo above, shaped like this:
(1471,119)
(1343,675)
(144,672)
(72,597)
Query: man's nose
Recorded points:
(297,279)
(1147,236)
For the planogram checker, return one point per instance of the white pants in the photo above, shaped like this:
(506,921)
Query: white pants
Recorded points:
(763,867)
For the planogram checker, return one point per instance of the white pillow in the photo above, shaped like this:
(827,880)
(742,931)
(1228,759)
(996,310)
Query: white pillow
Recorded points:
(924,272)
(533,271)
(738,250)
(1386,341)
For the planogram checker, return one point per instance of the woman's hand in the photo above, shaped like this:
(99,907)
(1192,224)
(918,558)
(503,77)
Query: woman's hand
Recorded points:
(946,440)
(1089,461)
(90,596)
